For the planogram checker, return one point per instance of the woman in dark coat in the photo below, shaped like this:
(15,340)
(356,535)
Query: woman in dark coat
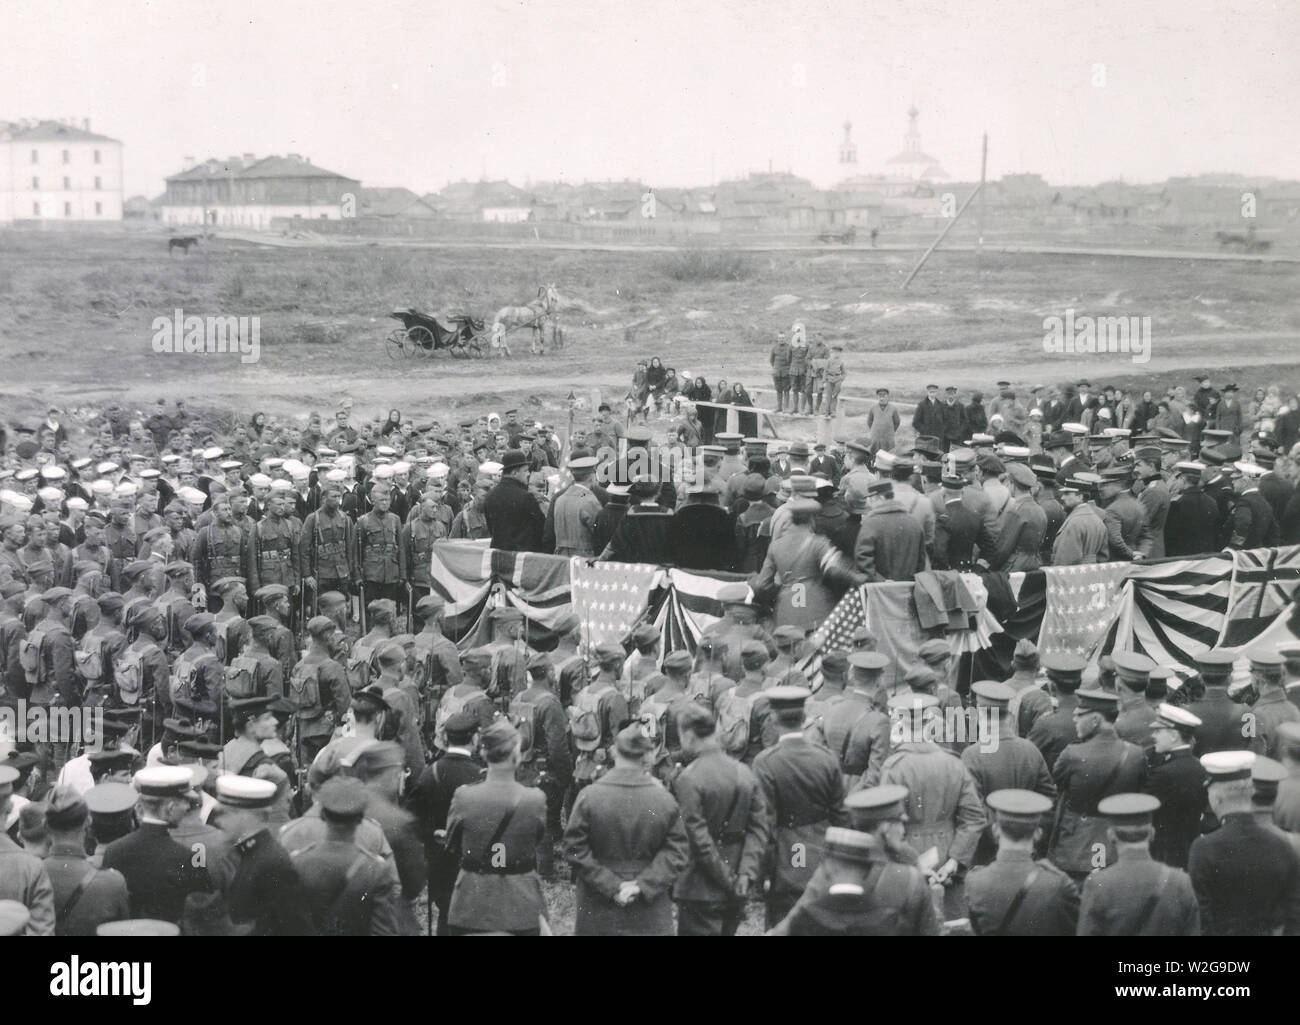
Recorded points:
(257,424)
(393,423)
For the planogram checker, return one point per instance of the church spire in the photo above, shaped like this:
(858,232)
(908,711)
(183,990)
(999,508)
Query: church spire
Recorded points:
(848,150)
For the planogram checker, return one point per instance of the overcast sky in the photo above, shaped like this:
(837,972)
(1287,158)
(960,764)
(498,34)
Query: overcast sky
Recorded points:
(417,93)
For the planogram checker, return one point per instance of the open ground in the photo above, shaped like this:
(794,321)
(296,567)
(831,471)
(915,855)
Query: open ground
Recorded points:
(77,309)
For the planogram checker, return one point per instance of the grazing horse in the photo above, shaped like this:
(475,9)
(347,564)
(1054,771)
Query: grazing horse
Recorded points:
(183,244)
(533,315)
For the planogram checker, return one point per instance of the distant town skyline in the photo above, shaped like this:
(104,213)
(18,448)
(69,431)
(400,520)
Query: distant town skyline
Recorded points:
(417,95)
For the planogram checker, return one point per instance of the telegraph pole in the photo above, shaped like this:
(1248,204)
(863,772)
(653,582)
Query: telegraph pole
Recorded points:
(979,242)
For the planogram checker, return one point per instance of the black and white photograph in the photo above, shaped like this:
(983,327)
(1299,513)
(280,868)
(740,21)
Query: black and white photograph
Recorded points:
(570,468)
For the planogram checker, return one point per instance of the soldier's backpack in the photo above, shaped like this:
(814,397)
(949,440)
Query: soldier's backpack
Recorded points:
(584,713)
(450,704)
(29,656)
(241,677)
(660,727)
(735,713)
(304,690)
(360,667)
(128,674)
(186,678)
(222,629)
(89,659)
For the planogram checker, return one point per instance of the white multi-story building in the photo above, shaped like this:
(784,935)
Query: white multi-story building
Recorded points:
(58,171)
(243,191)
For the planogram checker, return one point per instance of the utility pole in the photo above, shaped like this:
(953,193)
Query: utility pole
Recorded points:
(979,242)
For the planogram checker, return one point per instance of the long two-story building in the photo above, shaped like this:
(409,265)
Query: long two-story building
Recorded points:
(247,192)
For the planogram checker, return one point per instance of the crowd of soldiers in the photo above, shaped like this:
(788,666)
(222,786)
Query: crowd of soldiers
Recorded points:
(291,744)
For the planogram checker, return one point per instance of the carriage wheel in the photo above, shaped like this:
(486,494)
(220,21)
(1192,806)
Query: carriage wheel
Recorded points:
(474,347)
(458,350)
(395,343)
(420,340)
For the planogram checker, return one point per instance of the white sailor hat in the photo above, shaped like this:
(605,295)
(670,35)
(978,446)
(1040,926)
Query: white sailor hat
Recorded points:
(1116,432)
(885,460)
(385,450)
(126,489)
(401,466)
(491,467)
(1225,766)
(78,503)
(1074,429)
(244,791)
(275,463)
(191,496)
(1172,717)
(215,452)
(26,473)
(150,473)
(19,503)
(300,472)
(280,484)
(169,458)
(102,487)
(383,471)
(48,495)
(53,472)
(336,475)
(231,464)
(1189,466)
(260,480)
(80,463)
(107,466)
(163,780)
(439,470)
(1249,469)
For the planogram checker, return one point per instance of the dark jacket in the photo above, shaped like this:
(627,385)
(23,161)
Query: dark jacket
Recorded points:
(803,792)
(727,825)
(625,827)
(159,872)
(1247,879)
(262,888)
(1192,526)
(1178,781)
(1049,907)
(703,537)
(890,545)
(514,517)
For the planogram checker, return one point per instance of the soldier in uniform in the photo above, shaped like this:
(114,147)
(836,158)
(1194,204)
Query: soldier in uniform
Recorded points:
(943,808)
(328,546)
(56,684)
(1136,895)
(346,890)
(1053,731)
(1098,765)
(1192,525)
(231,627)
(276,546)
(159,872)
(1272,707)
(1002,760)
(417,540)
(870,871)
(1176,779)
(318,686)
(379,552)
(274,601)
(84,896)
(856,731)
(1017,895)
(1082,539)
(803,793)
(494,828)
(548,764)
(1223,721)
(23,878)
(430,802)
(1132,676)
(574,512)
(727,824)
(627,845)
(1246,877)
(261,889)
(1252,523)
(737,625)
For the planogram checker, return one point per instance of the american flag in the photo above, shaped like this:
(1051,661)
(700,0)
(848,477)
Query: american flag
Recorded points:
(609,597)
(835,634)
(1082,601)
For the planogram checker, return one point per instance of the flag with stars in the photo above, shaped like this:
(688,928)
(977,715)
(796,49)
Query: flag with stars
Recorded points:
(835,634)
(609,597)
(1082,601)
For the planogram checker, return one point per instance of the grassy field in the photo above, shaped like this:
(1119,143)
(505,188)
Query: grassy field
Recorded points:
(76,315)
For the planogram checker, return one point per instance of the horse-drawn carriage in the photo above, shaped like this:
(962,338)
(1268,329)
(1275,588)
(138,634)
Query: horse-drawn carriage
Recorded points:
(422,335)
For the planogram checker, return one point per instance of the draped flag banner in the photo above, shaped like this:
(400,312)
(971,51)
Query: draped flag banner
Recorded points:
(1171,610)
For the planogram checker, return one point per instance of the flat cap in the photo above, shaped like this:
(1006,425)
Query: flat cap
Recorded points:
(1226,766)
(1174,717)
(787,698)
(990,692)
(1094,699)
(269,591)
(343,797)
(877,803)
(678,661)
(1129,809)
(632,742)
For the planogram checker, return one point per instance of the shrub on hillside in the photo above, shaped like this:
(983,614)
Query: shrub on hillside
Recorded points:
(707,265)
